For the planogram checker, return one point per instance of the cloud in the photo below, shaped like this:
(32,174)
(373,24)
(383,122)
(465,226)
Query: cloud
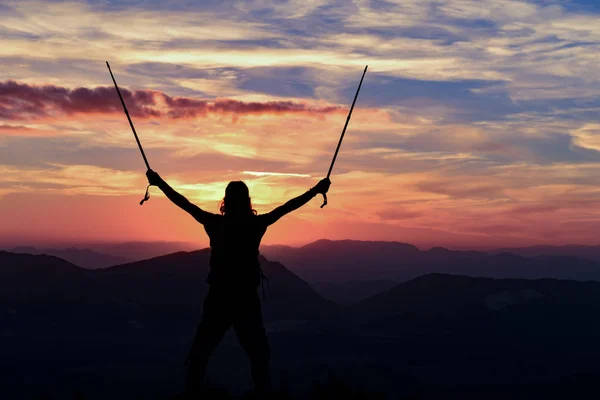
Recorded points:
(19,101)
(257,173)
(588,136)
(23,101)
(71,179)
(184,107)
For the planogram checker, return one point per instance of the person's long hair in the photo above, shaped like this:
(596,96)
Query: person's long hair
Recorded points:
(237,200)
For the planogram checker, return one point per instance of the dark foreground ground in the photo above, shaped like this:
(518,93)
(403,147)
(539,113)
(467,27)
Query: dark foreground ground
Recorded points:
(304,366)
(123,333)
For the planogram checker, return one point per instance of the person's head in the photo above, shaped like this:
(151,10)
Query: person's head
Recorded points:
(237,200)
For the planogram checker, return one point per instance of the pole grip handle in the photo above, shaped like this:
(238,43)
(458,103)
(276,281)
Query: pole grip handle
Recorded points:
(324,200)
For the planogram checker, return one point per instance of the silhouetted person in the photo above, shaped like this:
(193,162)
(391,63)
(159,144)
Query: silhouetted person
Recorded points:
(234,277)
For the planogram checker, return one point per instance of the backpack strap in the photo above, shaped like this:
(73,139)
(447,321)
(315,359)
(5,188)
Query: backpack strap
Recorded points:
(263,278)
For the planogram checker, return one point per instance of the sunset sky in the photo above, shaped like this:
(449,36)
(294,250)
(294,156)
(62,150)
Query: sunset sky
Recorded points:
(478,122)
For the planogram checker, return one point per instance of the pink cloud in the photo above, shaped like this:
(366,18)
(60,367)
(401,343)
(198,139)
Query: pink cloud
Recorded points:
(23,101)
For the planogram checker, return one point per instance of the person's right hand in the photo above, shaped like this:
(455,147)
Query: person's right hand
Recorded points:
(153,178)
(323,186)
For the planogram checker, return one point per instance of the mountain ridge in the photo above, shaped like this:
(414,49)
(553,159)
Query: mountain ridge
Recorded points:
(178,278)
(339,261)
(85,257)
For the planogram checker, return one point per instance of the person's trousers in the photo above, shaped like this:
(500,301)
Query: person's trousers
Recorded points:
(224,307)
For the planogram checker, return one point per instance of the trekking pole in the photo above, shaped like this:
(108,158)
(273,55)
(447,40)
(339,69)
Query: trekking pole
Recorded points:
(147,196)
(343,132)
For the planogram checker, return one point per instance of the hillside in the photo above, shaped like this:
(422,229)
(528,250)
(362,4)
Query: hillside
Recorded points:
(163,292)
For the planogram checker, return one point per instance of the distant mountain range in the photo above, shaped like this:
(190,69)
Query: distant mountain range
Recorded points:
(587,252)
(327,261)
(84,258)
(104,255)
(136,251)
(100,255)
(348,271)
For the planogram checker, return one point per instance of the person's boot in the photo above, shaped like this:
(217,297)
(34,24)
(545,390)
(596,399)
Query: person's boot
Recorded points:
(262,382)
(194,387)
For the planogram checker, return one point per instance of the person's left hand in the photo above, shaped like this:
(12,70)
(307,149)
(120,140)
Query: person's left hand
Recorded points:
(153,178)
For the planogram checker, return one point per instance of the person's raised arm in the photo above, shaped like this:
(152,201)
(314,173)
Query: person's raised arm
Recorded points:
(297,202)
(199,214)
